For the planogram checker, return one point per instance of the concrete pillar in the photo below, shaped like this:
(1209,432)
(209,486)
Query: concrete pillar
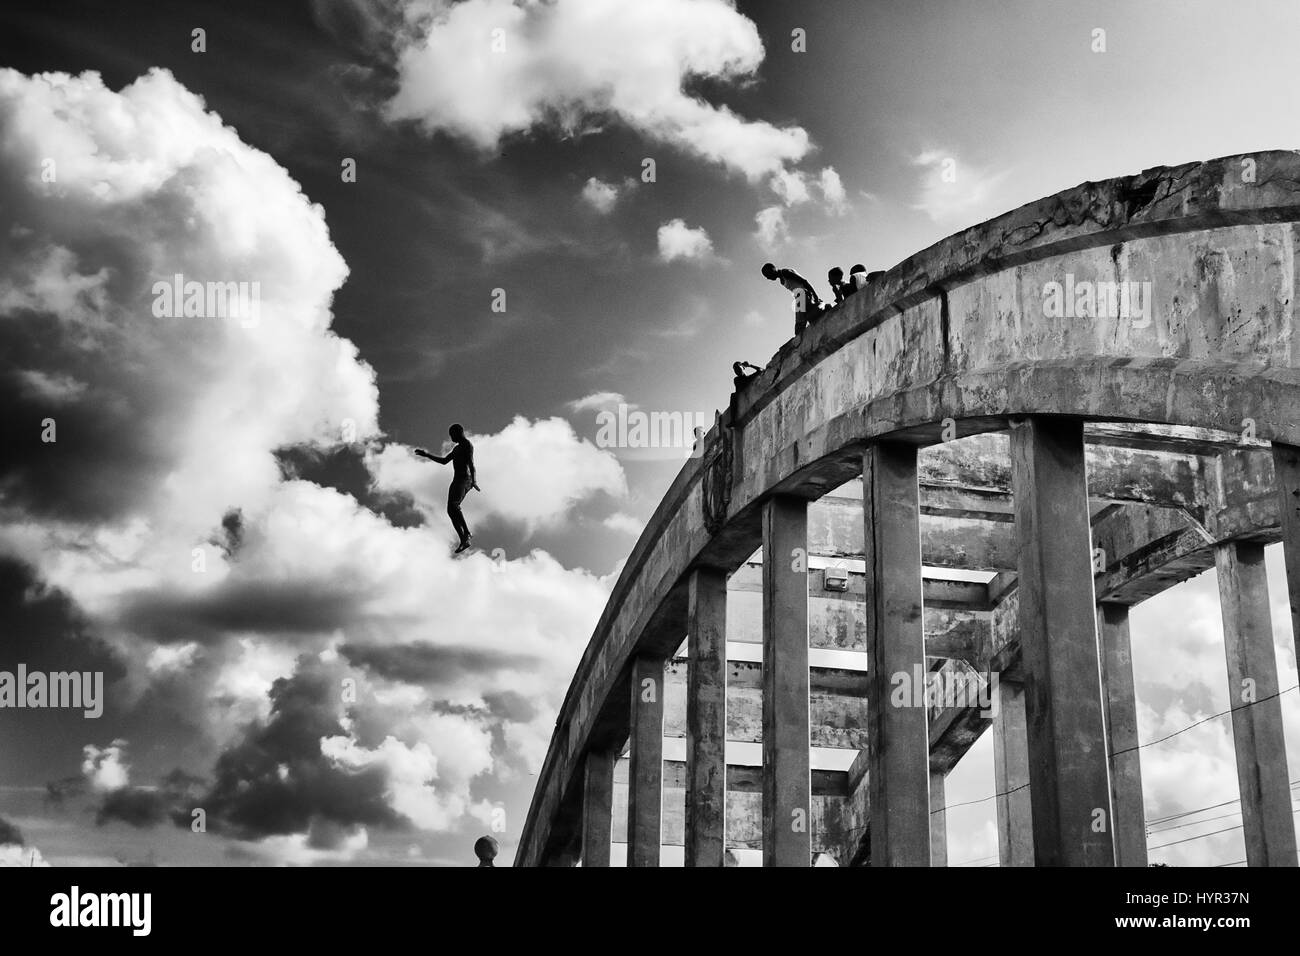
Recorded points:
(787,779)
(1011,777)
(897,725)
(597,806)
(1286,471)
(1058,634)
(706,718)
(938,822)
(1257,737)
(646,763)
(1122,736)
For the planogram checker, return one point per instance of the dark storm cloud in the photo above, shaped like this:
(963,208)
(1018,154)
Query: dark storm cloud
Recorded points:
(145,807)
(276,781)
(280,607)
(101,464)
(42,626)
(9,834)
(344,470)
(429,663)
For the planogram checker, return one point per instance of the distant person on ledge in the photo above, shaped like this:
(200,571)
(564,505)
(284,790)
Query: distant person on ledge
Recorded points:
(857,277)
(485,848)
(463,478)
(839,288)
(741,376)
(806,303)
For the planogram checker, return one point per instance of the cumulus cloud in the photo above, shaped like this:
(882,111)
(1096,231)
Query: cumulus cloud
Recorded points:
(772,227)
(104,768)
(601,196)
(832,190)
(163,515)
(485,69)
(532,472)
(791,185)
(597,401)
(14,850)
(679,241)
(625,523)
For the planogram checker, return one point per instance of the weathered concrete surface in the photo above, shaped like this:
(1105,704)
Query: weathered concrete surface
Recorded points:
(959,332)
(898,741)
(706,719)
(1058,638)
(1258,741)
(645,798)
(1122,735)
(597,807)
(787,823)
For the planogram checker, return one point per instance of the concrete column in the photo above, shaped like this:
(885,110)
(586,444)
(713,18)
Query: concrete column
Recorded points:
(1262,774)
(938,822)
(1122,736)
(646,764)
(1058,633)
(597,806)
(1286,471)
(897,725)
(706,719)
(1011,777)
(787,780)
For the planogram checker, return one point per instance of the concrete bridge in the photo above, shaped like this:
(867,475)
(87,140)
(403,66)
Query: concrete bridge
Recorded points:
(963,478)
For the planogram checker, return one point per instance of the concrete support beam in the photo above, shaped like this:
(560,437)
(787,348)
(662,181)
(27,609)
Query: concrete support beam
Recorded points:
(1257,736)
(787,797)
(597,806)
(938,821)
(898,737)
(1122,736)
(645,779)
(706,718)
(1058,634)
(1286,480)
(1011,777)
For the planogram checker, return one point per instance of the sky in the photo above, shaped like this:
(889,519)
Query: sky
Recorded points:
(515,216)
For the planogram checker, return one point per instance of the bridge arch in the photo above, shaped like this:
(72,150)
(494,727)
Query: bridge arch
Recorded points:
(1198,373)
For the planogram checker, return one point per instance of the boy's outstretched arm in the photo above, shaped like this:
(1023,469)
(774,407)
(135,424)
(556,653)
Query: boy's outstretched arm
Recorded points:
(424,454)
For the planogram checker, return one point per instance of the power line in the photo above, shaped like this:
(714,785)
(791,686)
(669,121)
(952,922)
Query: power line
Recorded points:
(1230,710)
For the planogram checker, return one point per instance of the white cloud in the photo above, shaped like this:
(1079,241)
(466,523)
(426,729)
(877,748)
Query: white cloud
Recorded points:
(531,472)
(104,769)
(14,855)
(791,185)
(955,190)
(295,849)
(832,190)
(625,523)
(180,424)
(772,228)
(597,401)
(572,63)
(601,196)
(679,241)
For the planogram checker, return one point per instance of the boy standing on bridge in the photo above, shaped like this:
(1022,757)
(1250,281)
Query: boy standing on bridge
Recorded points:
(806,303)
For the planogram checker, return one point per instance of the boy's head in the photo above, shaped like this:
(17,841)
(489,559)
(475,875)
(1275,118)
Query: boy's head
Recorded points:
(457,432)
(836,274)
(769,270)
(858,268)
(485,848)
